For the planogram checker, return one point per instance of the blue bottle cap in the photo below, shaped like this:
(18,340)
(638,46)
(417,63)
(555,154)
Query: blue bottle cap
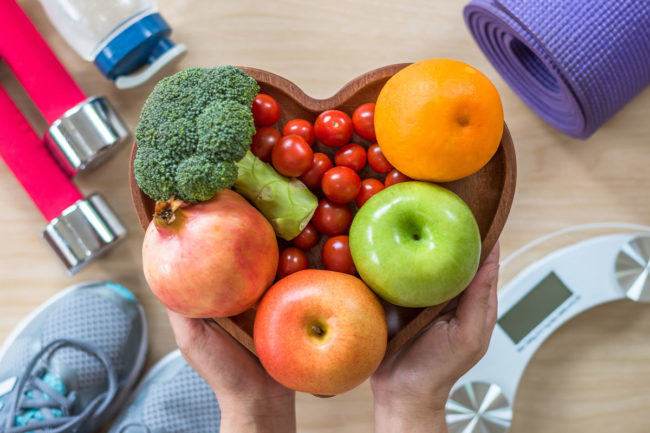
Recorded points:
(140,44)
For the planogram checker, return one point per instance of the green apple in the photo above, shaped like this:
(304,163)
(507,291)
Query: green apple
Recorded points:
(415,244)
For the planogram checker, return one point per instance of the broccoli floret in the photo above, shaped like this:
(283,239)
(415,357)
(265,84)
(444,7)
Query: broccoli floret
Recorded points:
(232,84)
(199,177)
(155,172)
(179,135)
(194,127)
(225,130)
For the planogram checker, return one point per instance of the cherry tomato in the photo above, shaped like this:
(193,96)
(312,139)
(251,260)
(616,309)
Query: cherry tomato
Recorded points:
(363,120)
(332,218)
(333,128)
(336,255)
(369,187)
(395,177)
(341,184)
(263,141)
(291,260)
(266,110)
(292,156)
(321,164)
(351,155)
(302,128)
(377,160)
(308,238)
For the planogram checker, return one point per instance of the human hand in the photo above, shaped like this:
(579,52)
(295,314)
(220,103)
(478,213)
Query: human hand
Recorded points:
(249,399)
(411,387)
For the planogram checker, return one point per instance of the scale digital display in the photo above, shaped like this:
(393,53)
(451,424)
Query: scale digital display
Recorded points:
(533,308)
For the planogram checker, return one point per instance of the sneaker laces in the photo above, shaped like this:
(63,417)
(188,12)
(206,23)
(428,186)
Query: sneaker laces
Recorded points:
(33,393)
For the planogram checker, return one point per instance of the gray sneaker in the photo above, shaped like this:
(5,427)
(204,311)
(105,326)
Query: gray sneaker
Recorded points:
(72,363)
(172,398)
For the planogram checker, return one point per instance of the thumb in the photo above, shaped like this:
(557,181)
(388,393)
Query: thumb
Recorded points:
(476,305)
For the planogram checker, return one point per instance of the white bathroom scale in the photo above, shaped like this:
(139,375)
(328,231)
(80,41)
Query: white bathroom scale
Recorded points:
(548,292)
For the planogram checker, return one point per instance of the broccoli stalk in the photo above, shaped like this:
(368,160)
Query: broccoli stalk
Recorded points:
(287,203)
(194,140)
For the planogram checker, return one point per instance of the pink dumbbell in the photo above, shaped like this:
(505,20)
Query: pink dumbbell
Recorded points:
(83,131)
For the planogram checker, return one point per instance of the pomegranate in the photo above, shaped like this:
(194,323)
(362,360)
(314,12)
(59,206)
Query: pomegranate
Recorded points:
(211,259)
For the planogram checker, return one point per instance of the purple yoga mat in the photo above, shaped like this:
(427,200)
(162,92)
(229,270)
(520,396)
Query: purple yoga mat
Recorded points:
(574,62)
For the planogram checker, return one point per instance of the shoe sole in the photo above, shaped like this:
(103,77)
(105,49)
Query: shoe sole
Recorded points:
(130,380)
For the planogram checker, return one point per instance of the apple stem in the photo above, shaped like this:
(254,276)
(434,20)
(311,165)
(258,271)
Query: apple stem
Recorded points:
(316,330)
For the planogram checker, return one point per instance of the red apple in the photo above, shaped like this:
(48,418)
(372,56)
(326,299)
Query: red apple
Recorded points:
(320,332)
(213,259)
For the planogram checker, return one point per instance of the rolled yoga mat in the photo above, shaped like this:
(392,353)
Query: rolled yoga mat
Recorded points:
(574,62)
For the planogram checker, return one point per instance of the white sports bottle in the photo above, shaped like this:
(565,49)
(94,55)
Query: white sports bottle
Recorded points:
(126,39)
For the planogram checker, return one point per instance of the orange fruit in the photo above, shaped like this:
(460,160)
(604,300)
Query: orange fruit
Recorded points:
(438,120)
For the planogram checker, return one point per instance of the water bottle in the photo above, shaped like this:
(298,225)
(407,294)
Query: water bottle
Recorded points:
(126,39)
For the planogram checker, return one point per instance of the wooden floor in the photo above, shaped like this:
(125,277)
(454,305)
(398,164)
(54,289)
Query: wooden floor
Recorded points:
(592,376)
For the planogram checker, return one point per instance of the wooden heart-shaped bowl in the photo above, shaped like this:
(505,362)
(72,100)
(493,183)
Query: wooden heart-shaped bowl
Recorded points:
(489,192)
